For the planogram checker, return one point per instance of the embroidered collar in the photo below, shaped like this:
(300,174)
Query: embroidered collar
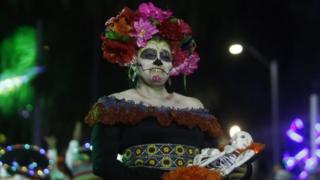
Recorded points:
(113,101)
(110,111)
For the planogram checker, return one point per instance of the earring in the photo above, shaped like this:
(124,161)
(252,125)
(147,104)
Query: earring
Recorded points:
(169,81)
(132,73)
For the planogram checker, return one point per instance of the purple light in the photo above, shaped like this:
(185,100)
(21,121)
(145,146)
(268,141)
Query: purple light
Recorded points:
(296,124)
(87,145)
(9,148)
(311,164)
(42,151)
(31,172)
(318,153)
(290,162)
(317,127)
(294,136)
(14,163)
(302,154)
(303,175)
(317,141)
(285,157)
(33,165)
(46,171)
(302,159)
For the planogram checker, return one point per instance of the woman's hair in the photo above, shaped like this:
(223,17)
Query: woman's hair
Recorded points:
(129,31)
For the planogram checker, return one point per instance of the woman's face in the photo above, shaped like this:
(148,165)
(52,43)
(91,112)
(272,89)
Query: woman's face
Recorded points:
(154,62)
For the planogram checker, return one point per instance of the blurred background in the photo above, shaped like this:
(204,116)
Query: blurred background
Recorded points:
(52,71)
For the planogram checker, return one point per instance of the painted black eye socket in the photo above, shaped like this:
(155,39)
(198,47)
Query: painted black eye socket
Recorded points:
(165,56)
(149,53)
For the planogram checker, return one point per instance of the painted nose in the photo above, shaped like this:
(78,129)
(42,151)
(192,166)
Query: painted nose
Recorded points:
(157,62)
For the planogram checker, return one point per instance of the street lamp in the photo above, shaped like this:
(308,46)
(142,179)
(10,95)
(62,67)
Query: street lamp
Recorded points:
(236,49)
(274,88)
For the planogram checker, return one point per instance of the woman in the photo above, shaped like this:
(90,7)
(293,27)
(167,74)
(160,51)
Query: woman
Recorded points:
(155,131)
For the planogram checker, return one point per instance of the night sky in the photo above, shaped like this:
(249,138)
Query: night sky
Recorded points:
(234,88)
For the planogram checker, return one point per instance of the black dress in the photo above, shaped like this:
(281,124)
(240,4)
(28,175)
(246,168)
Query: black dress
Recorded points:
(119,124)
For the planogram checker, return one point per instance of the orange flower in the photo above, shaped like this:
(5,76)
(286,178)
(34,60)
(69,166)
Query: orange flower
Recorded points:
(192,173)
(122,24)
(122,27)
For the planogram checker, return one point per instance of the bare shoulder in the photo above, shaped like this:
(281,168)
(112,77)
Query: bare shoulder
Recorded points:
(188,101)
(126,94)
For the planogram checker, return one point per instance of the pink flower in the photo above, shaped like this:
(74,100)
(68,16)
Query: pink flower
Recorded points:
(148,10)
(188,66)
(144,31)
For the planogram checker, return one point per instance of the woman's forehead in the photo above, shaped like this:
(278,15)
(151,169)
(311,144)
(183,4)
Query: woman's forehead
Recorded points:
(157,45)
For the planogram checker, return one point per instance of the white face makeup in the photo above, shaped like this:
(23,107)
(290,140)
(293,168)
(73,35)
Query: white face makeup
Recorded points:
(154,62)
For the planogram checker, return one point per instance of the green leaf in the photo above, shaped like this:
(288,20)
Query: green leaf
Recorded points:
(115,36)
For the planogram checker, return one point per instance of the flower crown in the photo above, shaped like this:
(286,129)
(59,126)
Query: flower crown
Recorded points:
(131,30)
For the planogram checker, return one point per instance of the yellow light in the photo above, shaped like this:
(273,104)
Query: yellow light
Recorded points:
(24,169)
(2,151)
(40,173)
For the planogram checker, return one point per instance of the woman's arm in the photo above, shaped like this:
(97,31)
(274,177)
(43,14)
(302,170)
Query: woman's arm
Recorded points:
(105,142)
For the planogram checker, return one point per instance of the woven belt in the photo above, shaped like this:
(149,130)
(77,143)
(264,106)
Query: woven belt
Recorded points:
(160,156)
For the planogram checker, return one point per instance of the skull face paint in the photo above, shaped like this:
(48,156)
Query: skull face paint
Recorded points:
(154,62)
(152,55)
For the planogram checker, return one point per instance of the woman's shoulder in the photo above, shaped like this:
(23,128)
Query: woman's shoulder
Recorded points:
(123,94)
(189,102)
(126,95)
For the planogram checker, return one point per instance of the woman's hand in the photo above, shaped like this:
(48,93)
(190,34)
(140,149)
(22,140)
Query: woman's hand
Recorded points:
(238,173)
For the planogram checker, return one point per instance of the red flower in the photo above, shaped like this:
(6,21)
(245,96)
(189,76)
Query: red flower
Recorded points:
(117,51)
(184,27)
(178,55)
(170,30)
(174,29)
